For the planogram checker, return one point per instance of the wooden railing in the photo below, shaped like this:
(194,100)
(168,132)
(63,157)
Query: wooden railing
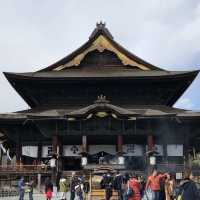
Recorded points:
(45,168)
(24,168)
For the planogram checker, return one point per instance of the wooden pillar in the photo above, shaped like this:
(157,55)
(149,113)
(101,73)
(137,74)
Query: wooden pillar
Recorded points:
(164,142)
(120,144)
(54,144)
(84,144)
(186,150)
(121,159)
(39,155)
(150,148)
(84,159)
(60,161)
(18,153)
(1,154)
(150,142)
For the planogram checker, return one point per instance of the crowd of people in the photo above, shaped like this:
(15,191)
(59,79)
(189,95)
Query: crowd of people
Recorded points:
(157,186)
(77,186)
(129,186)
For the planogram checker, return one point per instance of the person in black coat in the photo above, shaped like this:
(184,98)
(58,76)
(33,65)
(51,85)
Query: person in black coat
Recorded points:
(117,184)
(107,184)
(188,189)
(73,183)
(162,189)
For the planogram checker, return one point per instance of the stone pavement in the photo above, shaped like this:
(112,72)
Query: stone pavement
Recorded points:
(35,197)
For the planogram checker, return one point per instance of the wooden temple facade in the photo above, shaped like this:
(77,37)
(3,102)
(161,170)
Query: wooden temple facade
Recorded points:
(102,105)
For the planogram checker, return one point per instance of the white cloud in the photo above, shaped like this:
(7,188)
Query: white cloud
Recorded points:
(185,103)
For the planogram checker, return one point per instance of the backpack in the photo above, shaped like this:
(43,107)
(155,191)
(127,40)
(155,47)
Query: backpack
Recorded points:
(181,192)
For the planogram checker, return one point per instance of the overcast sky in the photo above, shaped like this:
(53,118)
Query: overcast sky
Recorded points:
(36,33)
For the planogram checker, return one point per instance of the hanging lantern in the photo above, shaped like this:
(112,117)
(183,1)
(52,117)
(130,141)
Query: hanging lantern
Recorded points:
(83,161)
(53,163)
(121,160)
(152,160)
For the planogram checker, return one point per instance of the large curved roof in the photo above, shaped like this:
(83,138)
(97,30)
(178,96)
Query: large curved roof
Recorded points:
(101,58)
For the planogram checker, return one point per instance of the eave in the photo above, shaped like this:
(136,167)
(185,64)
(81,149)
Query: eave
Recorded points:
(15,79)
(133,111)
(101,74)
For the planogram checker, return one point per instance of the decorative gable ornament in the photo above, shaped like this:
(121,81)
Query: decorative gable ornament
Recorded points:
(101,44)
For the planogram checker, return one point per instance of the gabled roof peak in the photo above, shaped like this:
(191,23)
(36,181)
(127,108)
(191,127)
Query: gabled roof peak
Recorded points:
(101,100)
(101,29)
(100,25)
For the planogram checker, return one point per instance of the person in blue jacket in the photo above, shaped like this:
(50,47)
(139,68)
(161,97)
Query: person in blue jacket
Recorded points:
(21,188)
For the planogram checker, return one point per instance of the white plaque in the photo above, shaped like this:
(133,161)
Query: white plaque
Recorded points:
(30,151)
(72,150)
(175,150)
(47,151)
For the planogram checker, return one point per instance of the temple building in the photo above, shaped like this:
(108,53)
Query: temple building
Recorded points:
(99,105)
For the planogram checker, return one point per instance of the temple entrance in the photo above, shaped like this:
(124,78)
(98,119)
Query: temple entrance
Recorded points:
(72,163)
(102,154)
(102,149)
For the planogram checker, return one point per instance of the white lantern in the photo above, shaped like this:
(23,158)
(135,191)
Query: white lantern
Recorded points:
(53,162)
(84,161)
(152,160)
(121,160)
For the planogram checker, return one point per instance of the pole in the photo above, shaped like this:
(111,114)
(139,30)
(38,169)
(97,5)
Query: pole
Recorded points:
(54,154)
(39,182)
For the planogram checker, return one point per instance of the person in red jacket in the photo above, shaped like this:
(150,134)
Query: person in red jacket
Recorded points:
(134,184)
(153,182)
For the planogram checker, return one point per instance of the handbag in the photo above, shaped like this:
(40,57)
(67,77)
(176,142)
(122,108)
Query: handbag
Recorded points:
(129,192)
(148,194)
(180,196)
